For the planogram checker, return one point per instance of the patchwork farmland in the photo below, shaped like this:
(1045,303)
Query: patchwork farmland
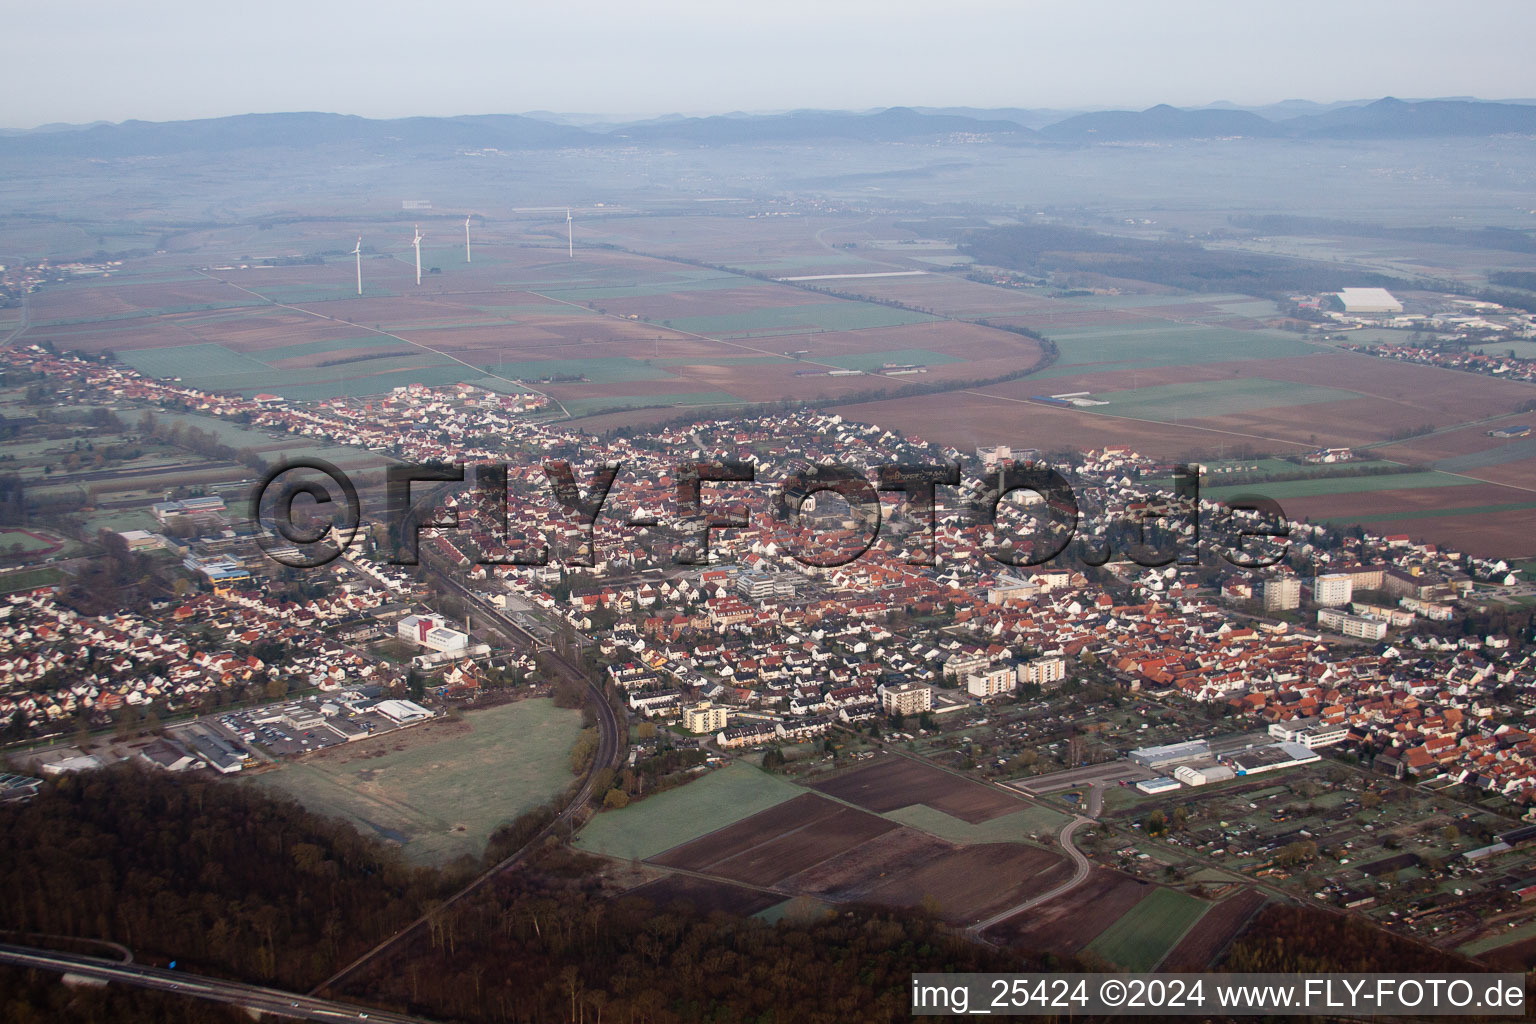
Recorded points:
(821,309)
(898,832)
(608,331)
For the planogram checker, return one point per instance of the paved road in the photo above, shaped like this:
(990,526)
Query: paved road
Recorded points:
(234,993)
(1078,877)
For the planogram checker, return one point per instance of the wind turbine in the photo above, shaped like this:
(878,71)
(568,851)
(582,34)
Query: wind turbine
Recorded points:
(358,252)
(417,243)
(466,238)
(570,237)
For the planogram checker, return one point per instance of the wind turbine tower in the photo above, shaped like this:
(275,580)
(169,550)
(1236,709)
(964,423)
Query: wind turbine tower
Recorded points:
(417,243)
(466,239)
(570,237)
(357,251)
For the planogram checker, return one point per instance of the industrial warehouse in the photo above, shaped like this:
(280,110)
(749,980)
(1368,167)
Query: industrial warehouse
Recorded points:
(1202,762)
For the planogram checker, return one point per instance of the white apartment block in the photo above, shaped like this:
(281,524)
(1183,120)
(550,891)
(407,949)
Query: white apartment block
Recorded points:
(1357,626)
(991,682)
(1333,590)
(906,699)
(704,717)
(1045,672)
(1282,593)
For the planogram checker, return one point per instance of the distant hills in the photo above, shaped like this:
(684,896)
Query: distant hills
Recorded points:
(298,130)
(1162,122)
(1383,119)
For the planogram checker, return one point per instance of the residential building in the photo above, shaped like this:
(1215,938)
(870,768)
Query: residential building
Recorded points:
(1332,590)
(1282,593)
(704,717)
(1358,626)
(1044,672)
(906,699)
(992,682)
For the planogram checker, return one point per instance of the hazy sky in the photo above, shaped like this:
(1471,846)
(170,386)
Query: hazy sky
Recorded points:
(66,60)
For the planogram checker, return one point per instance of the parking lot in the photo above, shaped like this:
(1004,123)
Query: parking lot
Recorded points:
(292,728)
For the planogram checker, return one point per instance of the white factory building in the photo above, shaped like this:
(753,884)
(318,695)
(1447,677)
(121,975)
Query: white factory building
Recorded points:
(402,712)
(1192,775)
(1369,300)
(1161,784)
(433,634)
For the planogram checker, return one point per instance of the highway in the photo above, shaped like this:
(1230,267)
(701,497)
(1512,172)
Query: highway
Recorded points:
(610,743)
(233,993)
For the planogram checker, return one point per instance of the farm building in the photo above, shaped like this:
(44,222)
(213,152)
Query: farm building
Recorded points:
(1518,430)
(1369,300)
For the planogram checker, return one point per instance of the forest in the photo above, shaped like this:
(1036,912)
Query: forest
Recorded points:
(233,883)
(215,875)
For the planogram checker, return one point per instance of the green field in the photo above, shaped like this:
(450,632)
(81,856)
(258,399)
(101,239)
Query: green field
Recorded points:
(193,362)
(28,579)
(22,540)
(1280,467)
(290,294)
(444,794)
(1196,399)
(1141,938)
(1318,486)
(600,369)
(657,823)
(309,348)
(875,360)
(216,368)
(1502,937)
(1160,343)
(824,316)
(714,360)
(588,406)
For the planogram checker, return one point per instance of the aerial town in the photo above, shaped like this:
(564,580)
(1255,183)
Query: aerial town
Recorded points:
(688,553)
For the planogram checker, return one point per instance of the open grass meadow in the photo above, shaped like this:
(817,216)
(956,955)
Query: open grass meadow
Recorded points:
(440,789)
(1140,939)
(657,823)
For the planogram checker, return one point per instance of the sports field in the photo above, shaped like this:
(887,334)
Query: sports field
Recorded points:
(657,823)
(28,541)
(1145,934)
(440,789)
